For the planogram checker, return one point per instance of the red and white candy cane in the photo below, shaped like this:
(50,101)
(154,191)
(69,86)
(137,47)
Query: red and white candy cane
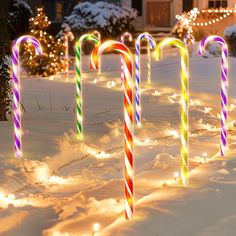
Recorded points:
(68,36)
(98,35)
(128,115)
(16,87)
(122,39)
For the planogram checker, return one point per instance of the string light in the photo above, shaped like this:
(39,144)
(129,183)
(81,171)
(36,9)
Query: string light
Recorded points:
(189,19)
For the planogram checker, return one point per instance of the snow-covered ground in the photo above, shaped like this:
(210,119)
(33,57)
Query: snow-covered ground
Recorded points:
(62,186)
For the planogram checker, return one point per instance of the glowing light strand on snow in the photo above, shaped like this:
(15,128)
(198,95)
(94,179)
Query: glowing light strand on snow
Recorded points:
(98,35)
(122,39)
(68,36)
(128,116)
(184,99)
(151,42)
(79,108)
(224,84)
(16,87)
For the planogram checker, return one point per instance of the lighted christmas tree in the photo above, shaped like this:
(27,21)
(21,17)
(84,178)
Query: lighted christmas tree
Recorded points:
(52,61)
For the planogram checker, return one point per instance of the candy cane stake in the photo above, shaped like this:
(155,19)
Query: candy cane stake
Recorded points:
(224,84)
(128,116)
(68,36)
(189,40)
(151,42)
(16,87)
(79,111)
(98,35)
(122,39)
(184,99)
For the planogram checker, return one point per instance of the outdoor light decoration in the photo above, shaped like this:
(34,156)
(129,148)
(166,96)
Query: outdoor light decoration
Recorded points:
(189,40)
(67,36)
(151,42)
(122,39)
(128,115)
(79,110)
(184,99)
(98,35)
(16,87)
(224,84)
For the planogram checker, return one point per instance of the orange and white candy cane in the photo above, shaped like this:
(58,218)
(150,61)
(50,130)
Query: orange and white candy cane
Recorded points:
(128,115)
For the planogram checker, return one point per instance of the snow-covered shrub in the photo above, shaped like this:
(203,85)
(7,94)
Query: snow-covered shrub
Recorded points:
(19,14)
(109,19)
(230,37)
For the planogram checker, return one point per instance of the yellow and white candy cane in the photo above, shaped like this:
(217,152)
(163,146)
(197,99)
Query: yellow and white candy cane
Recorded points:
(184,99)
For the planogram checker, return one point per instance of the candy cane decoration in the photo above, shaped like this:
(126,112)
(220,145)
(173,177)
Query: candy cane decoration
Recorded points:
(98,35)
(16,87)
(79,111)
(151,42)
(67,36)
(189,40)
(184,99)
(128,115)
(224,84)
(122,39)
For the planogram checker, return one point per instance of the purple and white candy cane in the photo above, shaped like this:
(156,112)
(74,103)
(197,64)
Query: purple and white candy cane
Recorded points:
(122,39)
(224,84)
(151,42)
(189,40)
(16,87)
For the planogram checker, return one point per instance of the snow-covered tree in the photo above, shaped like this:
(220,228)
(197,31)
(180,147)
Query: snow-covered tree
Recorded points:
(19,14)
(107,18)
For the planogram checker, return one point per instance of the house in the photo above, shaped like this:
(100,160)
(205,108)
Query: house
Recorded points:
(160,15)
(153,15)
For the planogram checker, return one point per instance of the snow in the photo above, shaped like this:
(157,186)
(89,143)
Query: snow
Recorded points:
(62,186)
(230,31)
(100,15)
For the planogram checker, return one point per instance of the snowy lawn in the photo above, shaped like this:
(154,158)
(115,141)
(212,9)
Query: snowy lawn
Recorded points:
(62,186)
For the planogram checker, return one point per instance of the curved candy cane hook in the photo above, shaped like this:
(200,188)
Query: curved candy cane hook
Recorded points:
(98,35)
(224,84)
(16,87)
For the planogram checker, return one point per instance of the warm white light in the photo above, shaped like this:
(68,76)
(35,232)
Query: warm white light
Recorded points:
(176,175)
(96,227)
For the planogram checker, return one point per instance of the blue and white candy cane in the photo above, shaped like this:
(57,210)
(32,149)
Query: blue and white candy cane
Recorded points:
(151,43)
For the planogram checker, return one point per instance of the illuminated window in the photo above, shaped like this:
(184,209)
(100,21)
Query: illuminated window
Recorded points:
(59,11)
(217,3)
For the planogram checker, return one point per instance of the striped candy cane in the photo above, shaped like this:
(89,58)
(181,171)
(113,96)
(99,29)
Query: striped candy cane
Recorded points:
(224,84)
(151,42)
(122,39)
(16,87)
(67,36)
(128,116)
(98,35)
(189,40)
(184,99)
(79,111)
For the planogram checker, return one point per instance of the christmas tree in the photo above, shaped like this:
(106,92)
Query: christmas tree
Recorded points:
(53,49)
(5,87)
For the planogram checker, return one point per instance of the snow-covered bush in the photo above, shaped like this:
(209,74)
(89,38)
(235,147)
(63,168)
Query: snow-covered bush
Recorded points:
(109,19)
(19,14)
(230,37)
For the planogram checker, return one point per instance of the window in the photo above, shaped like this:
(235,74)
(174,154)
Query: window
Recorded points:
(217,3)
(137,4)
(58,11)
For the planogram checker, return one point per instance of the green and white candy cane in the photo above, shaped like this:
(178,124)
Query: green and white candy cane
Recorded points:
(79,108)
